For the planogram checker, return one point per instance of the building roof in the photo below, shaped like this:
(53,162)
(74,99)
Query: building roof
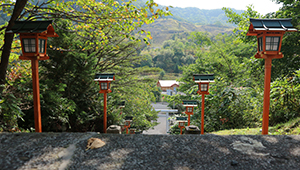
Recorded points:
(168,83)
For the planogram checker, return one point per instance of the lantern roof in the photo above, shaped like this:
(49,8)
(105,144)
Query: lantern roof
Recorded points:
(258,25)
(128,118)
(204,78)
(122,104)
(181,118)
(33,27)
(104,77)
(186,103)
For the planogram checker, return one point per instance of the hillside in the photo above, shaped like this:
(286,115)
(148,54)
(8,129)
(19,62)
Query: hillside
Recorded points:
(195,15)
(186,20)
(164,29)
(201,16)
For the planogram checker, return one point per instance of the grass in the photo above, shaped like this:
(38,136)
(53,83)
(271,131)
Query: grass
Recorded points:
(289,128)
(247,131)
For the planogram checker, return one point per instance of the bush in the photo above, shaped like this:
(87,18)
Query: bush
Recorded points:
(9,110)
(285,99)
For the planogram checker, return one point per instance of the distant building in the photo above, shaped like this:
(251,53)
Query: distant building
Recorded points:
(168,87)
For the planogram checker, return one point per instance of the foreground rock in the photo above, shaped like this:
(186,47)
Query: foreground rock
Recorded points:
(187,152)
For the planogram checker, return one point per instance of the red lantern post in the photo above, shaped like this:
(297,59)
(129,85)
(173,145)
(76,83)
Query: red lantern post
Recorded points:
(132,130)
(104,83)
(33,36)
(203,81)
(127,125)
(189,104)
(181,126)
(269,33)
(181,123)
(121,106)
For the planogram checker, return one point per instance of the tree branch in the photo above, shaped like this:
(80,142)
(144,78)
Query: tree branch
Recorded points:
(8,38)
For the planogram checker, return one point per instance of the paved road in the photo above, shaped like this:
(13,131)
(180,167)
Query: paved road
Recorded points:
(161,128)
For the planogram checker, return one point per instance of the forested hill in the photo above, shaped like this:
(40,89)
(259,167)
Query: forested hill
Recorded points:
(186,20)
(196,15)
(164,29)
(200,16)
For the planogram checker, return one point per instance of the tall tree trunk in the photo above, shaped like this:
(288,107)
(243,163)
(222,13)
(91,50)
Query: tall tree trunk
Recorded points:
(8,38)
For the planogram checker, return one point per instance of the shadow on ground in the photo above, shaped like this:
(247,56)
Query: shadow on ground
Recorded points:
(49,150)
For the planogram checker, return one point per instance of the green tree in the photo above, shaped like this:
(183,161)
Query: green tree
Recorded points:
(122,18)
(70,99)
(227,58)
(242,22)
(164,60)
(100,33)
(11,103)
(285,95)
(234,99)
(147,61)
(175,53)
(161,75)
(290,43)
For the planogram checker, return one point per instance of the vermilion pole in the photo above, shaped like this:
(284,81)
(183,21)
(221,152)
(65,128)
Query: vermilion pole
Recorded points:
(105,116)
(189,119)
(36,95)
(266,107)
(180,131)
(202,114)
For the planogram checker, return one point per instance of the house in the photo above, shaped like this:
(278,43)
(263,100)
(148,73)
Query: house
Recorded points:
(168,87)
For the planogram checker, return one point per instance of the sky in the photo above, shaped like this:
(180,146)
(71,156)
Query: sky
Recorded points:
(261,6)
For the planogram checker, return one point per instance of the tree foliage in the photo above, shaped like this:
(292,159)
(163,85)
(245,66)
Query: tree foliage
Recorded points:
(290,43)
(70,99)
(172,55)
(94,37)
(235,99)
(242,21)
(285,95)
(102,37)
(287,65)
(87,19)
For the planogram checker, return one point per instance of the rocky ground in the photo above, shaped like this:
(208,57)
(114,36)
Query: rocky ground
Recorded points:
(171,152)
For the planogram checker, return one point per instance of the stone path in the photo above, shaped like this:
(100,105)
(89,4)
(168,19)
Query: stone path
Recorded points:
(29,151)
